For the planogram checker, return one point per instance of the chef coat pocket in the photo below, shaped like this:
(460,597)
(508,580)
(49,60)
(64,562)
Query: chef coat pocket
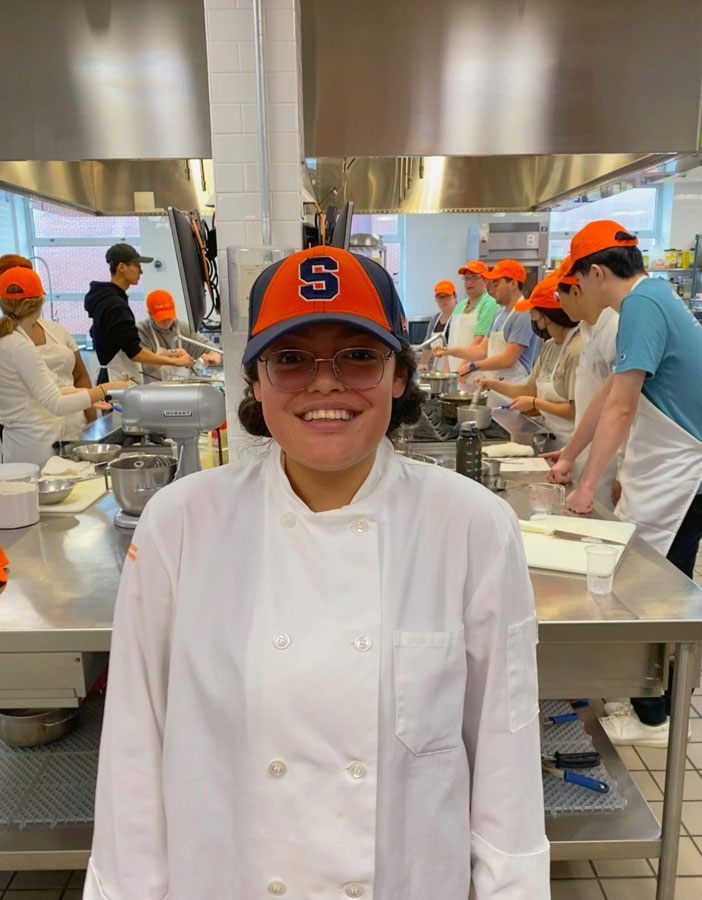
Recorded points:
(521,673)
(430,683)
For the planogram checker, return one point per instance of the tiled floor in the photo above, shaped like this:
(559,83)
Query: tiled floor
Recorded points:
(606,879)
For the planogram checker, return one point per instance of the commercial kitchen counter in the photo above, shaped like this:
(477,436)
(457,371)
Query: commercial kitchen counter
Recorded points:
(59,601)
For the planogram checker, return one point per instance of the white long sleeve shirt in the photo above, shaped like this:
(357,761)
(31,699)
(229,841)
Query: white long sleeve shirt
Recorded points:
(322,705)
(31,404)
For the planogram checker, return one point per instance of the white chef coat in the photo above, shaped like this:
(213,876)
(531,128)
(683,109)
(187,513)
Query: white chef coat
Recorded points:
(59,354)
(311,704)
(31,404)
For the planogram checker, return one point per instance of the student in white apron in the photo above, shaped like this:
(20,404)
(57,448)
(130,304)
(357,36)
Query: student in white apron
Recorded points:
(512,346)
(446,299)
(32,406)
(114,331)
(470,325)
(162,332)
(549,391)
(356,715)
(654,398)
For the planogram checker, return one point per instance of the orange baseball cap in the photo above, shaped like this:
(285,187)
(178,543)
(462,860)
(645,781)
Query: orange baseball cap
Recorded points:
(507,268)
(4,562)
(324,284)
(161,305)
(598,236)
(476,266)
(563,271)
(27,280)
(444,287)
(544,295)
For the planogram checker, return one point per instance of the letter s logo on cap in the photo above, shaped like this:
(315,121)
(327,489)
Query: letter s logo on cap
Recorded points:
(319,280)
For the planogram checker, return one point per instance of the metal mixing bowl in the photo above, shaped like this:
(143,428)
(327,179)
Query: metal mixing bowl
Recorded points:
(137,478)
(96,453)
(54,490)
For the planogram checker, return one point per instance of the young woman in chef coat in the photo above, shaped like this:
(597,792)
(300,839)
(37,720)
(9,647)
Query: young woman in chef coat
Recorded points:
(61,355)
(312,694)
(32,406)
(551,386)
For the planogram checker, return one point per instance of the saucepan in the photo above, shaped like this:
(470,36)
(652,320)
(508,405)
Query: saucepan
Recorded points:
(451,402)
(34,727)
(439,382)
(482,415)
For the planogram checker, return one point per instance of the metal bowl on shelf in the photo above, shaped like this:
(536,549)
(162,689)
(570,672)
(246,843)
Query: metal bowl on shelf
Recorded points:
(54,490)
(96,453)
(34,727)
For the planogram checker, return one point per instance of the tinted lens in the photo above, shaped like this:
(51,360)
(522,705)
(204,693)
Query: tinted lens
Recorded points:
(290,370)
(360,367)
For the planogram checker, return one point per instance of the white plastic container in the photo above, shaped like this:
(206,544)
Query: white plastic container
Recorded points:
(19,504)
(19,472)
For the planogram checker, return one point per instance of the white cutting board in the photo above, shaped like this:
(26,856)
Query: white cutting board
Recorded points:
(558,555)
(83,495)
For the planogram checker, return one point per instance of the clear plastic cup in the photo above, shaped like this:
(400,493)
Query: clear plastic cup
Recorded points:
(546,498)
(601,563)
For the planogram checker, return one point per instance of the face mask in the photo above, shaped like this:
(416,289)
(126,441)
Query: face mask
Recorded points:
(540,332)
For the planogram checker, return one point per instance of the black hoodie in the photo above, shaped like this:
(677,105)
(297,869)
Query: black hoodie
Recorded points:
(114,326)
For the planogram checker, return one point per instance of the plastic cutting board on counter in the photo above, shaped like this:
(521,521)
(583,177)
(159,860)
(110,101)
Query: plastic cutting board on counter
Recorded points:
(559,555)
(83,495)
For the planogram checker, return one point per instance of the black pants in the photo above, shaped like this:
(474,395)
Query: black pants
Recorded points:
(682,554)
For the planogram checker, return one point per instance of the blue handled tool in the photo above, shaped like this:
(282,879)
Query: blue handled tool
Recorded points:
(592,784)
(563,717)
(505,406)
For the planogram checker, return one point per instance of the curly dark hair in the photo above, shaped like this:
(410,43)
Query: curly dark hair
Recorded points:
(405,409)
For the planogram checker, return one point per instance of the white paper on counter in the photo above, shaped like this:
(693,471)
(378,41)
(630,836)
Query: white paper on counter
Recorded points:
(559,555)
(524,465)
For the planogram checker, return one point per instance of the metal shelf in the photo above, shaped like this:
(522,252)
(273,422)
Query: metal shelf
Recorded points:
(43,847)
(629,833)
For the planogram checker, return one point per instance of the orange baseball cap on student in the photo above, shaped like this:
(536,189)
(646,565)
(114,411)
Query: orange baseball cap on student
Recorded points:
(324,284)
(543,295)
(598,236)
(161,305)
(507,268)
(563,271)
(20,283)
(444,287)
(476,266)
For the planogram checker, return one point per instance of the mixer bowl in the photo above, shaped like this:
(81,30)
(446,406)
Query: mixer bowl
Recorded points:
(137,478)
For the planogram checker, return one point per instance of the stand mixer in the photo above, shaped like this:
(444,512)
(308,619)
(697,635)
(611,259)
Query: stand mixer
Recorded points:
(178,411)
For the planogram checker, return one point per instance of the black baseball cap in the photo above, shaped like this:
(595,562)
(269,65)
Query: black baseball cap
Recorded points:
(125,253)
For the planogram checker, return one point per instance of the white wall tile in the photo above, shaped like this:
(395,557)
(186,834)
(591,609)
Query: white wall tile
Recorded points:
(254,233)
(229,178)
(223,56)
(249,118)
(282,117)
(225,118)
(285,177)
(228,233)
(244,4)
(229,25)
(287,234)
(252,177)
(278,4)
(220,4)
(284,147)
(232,87)
(247,57)
(235,148)
(279,24)
(239,207)
(281,87)
(280,56)
(286,206)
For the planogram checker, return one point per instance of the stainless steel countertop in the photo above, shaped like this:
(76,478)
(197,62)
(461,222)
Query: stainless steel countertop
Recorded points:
(65,571)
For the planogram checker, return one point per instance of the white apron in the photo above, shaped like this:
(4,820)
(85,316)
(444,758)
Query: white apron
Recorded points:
(516,374)
(461,333)
(164,373)
(660,475)
(60,360)
(121,368)
(546,390)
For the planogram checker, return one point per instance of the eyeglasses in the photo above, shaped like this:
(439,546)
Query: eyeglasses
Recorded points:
(358,368)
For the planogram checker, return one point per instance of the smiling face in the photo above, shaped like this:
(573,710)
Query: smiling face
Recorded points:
(328,426)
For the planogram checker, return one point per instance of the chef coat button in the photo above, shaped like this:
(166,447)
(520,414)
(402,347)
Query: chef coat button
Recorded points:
(357,771)
(363,643)
(288,519)
(359,526)
(278,888)
(354,890)
(277,768)
(282,641)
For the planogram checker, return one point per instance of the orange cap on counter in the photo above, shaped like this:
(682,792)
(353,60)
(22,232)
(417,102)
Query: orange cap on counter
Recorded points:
(597,236)
(20,283)
(444,287)
(507,268)
(476,266)
(544,295)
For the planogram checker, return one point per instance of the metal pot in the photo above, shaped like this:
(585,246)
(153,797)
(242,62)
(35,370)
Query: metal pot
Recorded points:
(137,478)
(34,727)
(482,415)
(439,382)
(450,402)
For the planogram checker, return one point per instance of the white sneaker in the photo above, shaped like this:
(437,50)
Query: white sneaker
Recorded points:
(623,726)
(613,707)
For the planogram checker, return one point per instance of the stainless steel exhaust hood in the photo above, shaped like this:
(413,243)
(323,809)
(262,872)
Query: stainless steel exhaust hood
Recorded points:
(495,104)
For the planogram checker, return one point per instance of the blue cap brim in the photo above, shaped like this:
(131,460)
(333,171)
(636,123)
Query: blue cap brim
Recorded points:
(260,341)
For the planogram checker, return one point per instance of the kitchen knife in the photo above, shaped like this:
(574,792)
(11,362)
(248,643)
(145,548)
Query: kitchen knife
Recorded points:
(538,528)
